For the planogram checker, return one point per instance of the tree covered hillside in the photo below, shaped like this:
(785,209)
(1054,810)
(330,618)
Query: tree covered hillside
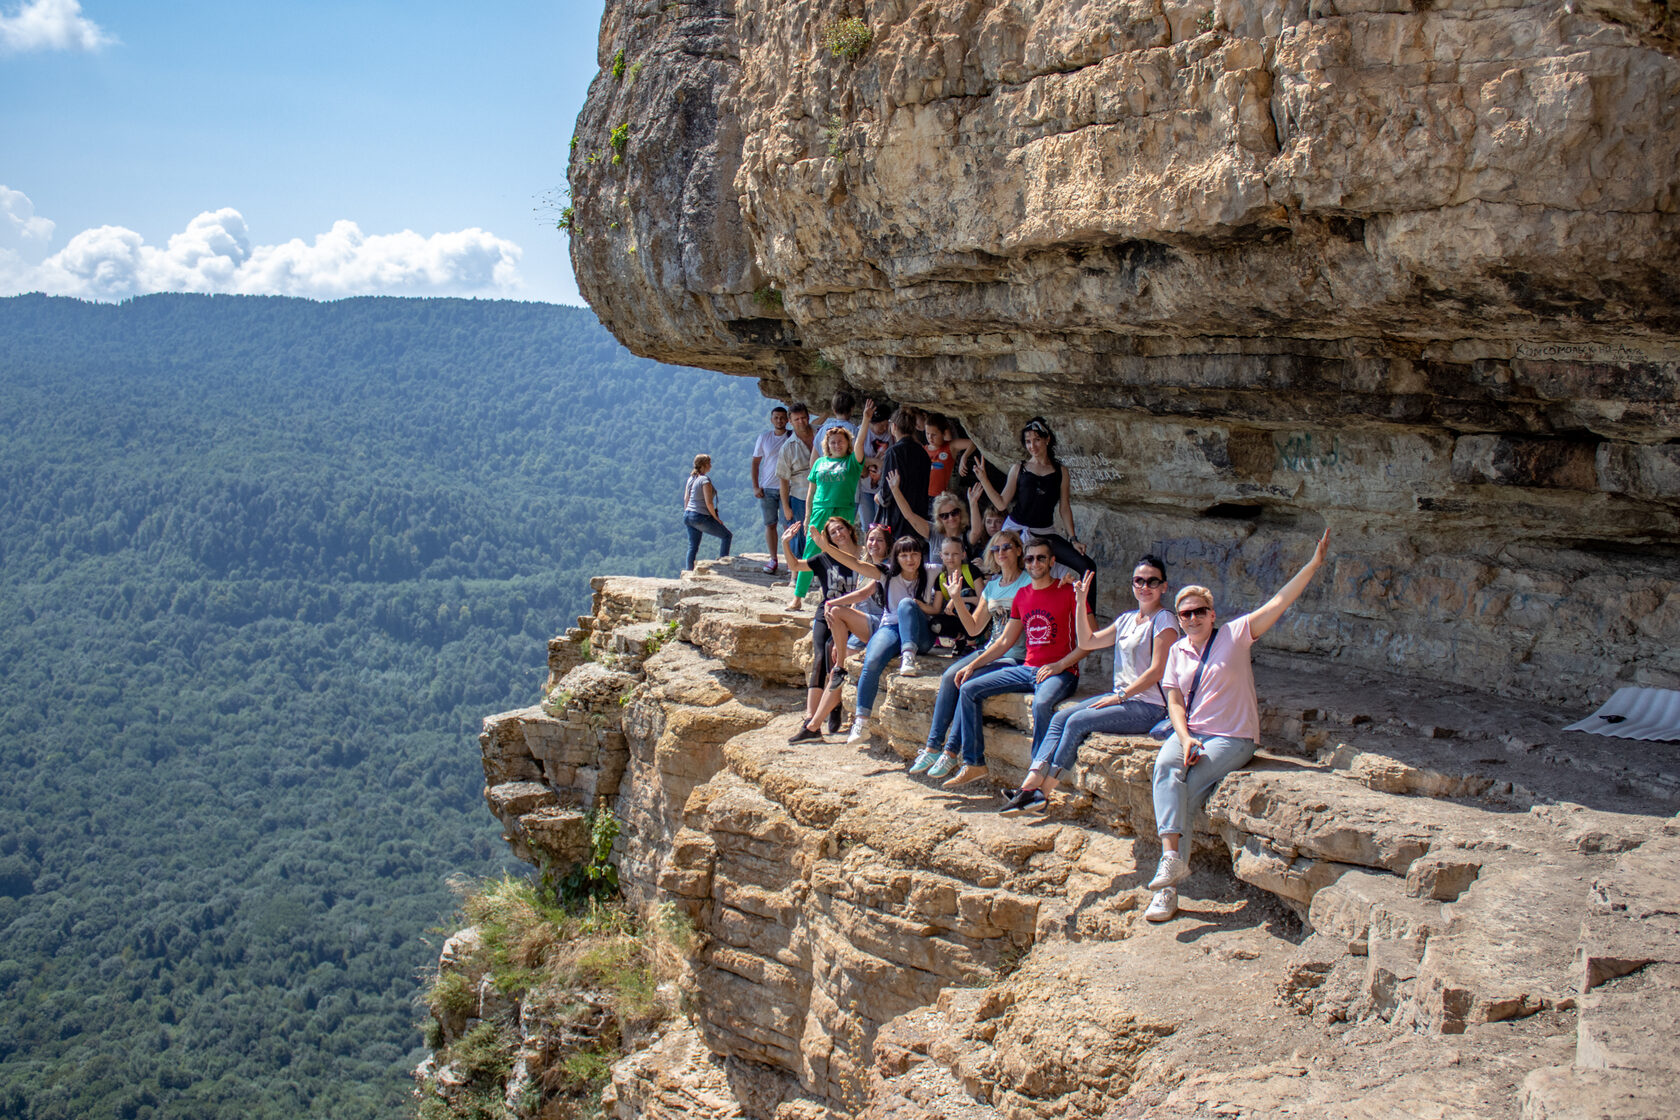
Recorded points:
(264,565)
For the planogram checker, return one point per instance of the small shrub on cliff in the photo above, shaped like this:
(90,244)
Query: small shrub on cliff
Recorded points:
(768,298)
(620,139)
(618,65)
(847,38)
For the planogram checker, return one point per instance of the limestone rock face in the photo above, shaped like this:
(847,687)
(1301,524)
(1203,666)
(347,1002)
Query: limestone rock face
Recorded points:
(1408,879)
(1401,269)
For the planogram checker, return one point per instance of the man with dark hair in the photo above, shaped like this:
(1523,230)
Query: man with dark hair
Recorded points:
(766,487)
(793,462)
(909,462)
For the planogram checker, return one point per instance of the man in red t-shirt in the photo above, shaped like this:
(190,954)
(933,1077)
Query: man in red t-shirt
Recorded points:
(1042,612)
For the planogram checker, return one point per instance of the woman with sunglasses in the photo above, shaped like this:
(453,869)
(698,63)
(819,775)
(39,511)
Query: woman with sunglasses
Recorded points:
(1209,684)
(911,590)
(853,615)
(1003,560)
(1043,613)
(1035,491)
(950,521)
(1142,640)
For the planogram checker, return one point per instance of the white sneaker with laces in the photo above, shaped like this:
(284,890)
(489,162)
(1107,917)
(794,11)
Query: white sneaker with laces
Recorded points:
(860,729)
(907,663)
(1170,872)
(1163,906)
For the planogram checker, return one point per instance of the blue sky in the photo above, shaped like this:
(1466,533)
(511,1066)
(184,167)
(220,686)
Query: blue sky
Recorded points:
(241,128)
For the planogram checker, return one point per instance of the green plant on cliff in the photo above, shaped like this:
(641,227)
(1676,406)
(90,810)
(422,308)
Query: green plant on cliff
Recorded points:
(835,134)
(620,140)
(589,974)
(618,65)
(768,298)
(595,877)
(846,38)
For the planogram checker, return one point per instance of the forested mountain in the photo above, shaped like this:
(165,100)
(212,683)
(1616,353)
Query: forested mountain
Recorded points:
(264,565)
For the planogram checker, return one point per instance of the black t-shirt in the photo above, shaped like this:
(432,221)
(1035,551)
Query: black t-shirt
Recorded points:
(910,460)
(835,579)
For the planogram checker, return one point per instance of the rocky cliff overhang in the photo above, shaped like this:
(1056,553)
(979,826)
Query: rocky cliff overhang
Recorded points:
(1403,268)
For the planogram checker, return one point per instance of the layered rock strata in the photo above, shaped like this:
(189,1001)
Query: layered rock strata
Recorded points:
(1408,879)
(1404,269)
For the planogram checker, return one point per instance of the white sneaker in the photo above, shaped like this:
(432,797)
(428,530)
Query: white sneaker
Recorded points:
(860,729)
(1170,872)
(1163,906)
(907,663)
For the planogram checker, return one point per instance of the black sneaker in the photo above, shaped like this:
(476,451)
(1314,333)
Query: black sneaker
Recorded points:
(836,677)
(1026,801)
(834,721)
(803,734)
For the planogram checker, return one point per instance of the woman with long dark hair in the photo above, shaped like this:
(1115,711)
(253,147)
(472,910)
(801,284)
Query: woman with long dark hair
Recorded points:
(854,614)
(1035,492)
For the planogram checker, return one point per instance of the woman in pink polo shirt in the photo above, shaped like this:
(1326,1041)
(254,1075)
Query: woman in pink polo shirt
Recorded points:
(1215,715)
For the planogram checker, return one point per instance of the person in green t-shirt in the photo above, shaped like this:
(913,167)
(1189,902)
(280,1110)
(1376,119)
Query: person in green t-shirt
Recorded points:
(834,482)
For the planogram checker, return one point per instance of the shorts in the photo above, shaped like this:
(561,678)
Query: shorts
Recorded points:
(771,504)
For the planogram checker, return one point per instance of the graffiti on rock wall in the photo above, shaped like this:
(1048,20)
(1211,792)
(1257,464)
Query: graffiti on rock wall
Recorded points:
(1088,472)
(1300,452)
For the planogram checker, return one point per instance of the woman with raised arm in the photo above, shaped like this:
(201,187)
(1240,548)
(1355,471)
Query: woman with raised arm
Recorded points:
(856,613)
(700,516)
(911,590)
(1209,684)
(1035,491)
(943,752)
(833,580)
(834,482)
(984,520)
(1141,640)
(950,520)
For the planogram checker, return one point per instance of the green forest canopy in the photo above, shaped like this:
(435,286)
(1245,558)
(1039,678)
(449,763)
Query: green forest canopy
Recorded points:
(266,565)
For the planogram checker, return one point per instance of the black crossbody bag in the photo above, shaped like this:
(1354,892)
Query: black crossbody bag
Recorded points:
(1164,730)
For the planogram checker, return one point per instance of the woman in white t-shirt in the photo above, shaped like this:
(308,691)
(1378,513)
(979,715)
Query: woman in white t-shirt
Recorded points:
(1141,639)
(1209,682)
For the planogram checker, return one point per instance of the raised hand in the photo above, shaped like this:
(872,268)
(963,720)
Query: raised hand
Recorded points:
(1085,582)
(892,479)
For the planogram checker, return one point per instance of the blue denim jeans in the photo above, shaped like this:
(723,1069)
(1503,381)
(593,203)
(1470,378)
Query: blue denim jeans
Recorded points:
(1072,726)
(909,625)
(942,732)
(704,524)
(1010,678)
(1178,794)
(797,506)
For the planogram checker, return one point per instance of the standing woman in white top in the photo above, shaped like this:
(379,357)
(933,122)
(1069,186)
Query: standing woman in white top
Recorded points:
(1215,715)
(1141,639)
(700,515)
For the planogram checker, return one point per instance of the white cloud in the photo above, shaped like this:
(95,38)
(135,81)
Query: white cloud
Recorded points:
(51,25)
(18,222)
(214,254)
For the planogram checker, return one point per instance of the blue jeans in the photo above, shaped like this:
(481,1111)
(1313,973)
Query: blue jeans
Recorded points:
(1176,792)
(699,524)
(797,506)
(1072,726)
(1010,678)
(941,733)
(889,638)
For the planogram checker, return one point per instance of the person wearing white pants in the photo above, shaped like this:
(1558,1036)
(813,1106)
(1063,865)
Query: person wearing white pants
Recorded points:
(1215,714)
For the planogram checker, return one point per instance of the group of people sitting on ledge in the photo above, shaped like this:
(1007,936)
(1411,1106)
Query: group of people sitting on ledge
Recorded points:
(1015,600)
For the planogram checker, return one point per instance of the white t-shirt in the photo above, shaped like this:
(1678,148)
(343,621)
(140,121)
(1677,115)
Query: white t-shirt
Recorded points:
(793,462)
(1225,700)
(900,589)
(1134,651)
(765,452)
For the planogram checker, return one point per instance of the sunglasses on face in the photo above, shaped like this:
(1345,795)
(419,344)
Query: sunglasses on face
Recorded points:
(1003,547)
(949,515)
(1189,613)
(1147,581)
(1038,559)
